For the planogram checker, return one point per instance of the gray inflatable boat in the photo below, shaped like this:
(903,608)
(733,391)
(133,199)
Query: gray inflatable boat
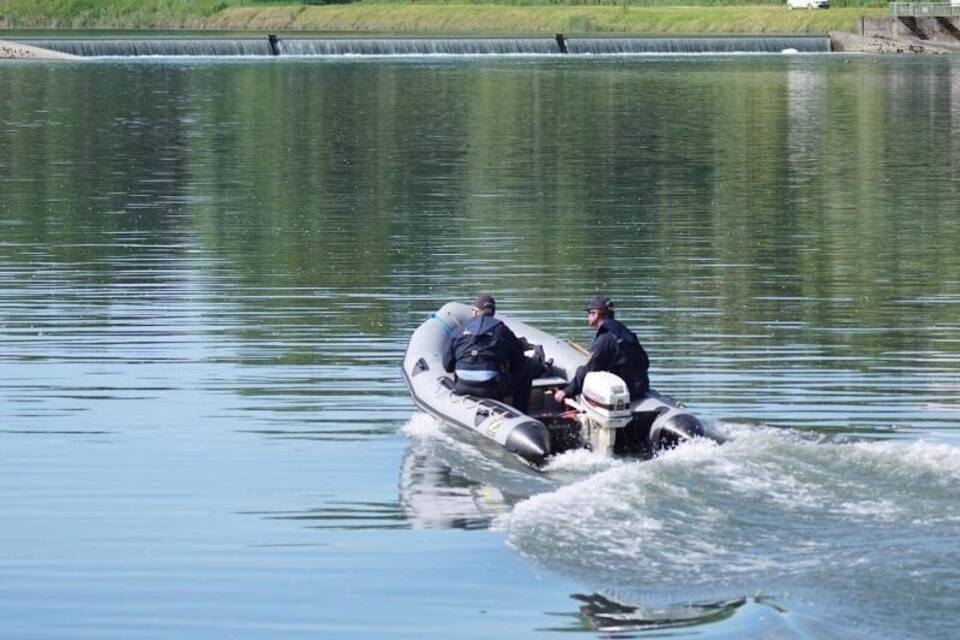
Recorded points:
(602,418)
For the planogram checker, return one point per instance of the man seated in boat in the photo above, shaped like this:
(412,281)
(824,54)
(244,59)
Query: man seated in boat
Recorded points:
(488,358)
(615,349)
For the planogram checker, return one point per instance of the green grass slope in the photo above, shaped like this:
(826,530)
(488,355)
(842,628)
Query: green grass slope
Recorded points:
(440,16)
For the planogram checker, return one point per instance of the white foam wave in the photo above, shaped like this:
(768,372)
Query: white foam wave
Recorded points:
(918,460)
(768,509)
(581,462)
(423,426)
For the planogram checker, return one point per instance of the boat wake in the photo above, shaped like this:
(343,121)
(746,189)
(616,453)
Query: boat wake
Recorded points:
(770,511)
(826,525)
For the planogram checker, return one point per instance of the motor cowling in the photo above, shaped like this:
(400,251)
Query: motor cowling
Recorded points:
(605,400)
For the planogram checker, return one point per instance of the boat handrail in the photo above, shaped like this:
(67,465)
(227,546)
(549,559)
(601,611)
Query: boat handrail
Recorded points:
(578,347)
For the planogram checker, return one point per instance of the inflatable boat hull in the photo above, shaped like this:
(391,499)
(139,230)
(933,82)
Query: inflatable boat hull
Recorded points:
(658,421)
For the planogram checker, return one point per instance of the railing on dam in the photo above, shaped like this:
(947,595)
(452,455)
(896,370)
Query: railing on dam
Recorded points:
(924,9)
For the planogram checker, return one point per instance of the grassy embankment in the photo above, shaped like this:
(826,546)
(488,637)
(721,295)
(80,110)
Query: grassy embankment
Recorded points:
(441,16)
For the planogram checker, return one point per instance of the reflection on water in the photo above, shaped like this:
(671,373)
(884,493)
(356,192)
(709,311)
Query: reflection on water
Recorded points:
(434,497)
(783,240)
(444,483)
(431,496)
(756,617)
(338,514)
(601,613)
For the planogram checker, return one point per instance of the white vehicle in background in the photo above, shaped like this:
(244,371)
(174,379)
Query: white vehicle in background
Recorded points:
(808,4)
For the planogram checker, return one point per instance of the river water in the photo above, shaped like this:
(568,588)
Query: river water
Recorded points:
(209,270)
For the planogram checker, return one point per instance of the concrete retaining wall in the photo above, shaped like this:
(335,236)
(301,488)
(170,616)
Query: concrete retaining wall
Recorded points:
(937,30)
(856,43)
(893,35)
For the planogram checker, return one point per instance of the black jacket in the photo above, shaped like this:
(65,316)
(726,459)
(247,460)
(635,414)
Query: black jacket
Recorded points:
(508,357)
(615,349)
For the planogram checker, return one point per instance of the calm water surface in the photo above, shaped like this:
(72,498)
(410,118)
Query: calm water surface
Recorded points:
(209,271)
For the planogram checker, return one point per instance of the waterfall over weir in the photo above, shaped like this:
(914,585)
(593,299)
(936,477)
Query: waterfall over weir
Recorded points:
(706,44)
(417,46)
(132,47)
(303,46)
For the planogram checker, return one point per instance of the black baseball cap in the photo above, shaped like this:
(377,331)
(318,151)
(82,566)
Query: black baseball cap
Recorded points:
(600,303)
(485,302)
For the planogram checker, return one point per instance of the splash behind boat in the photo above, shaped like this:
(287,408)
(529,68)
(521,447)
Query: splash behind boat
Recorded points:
(605,419)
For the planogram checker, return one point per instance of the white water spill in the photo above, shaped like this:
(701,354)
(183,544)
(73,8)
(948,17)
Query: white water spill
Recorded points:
(325,47)
(770,511)
(423,426)
(580,462)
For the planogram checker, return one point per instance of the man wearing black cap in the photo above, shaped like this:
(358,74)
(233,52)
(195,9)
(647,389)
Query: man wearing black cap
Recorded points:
(488,358)
(615,349)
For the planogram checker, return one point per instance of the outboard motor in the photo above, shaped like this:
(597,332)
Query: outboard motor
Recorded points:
(605,402)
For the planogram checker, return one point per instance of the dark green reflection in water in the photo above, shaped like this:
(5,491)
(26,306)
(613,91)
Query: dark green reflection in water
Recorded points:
(753,209)
(189,250)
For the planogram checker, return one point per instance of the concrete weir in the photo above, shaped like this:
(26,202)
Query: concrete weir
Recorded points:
(906,34)
(901,35)
(16,51)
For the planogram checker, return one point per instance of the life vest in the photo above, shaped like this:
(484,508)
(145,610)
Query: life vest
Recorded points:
(479,352)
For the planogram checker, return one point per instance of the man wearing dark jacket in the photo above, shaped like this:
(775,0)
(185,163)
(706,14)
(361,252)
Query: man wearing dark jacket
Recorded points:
(615,349)
(488,358)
